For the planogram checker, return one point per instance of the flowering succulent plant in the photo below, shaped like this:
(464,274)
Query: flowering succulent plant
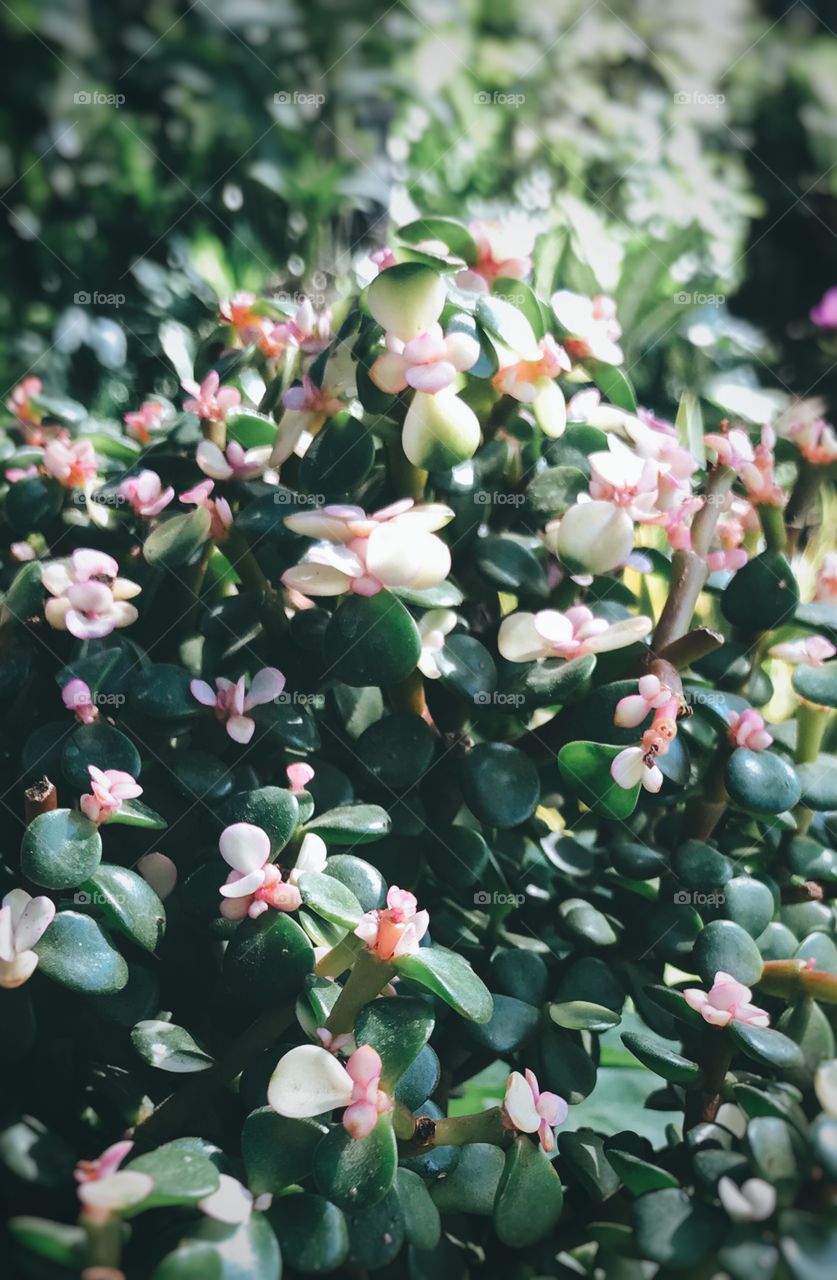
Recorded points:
(411,739)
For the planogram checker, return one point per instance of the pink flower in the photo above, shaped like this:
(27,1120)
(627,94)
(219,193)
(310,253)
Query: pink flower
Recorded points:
(499,253)
(159,871)
(383,258)
(816,441)
(590,324)
(23,922)
(110,787)
(20,401)
(307,397)
(308,330)
(238,464)
(210,401)
(77,697)
(395,930)
(368,1099)
(522,378)
(237,311)
(146,494)
(21,473)
(637,765)
(529,1110)
(103,1185)
(824,314)
(141,423)
(633,709)
(728,1001)
(220,511)
(759,476)
(395,547)
(527,637)
(299,775)
(814,650)
(427,363)
(72,464)
(231,699)
(90,599)
(733,448)
(746,729)
(620,477)
(334,1043)
(254,884)
(826,588)
(22,552)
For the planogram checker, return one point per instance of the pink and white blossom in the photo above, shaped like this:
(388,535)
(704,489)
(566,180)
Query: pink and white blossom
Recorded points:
(813,650)
(109,789)
(306,397)
(141,424)
(231,699)
(89,598)
(619,476)
(434,627)
(632,710)
(77,697)
(220,511)
(429,362)
(103,1185)
(528,1109)
(727,1001)
(824,313)
(158,870)
(816,441)
(209,400)
(733,448)
(254,884)
(20,401)
(826,586)
(502,251)
(633,766)
(23,922)
(747,729)
(592,330)
(146,494)
(363,554)
(71,463)
(396,929)
(236,463)
(753,1201)
(310,1081)
(299,775)
(528,637)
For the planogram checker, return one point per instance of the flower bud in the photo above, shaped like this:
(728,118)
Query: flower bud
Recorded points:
(594,537)
(406,299)
(440,431)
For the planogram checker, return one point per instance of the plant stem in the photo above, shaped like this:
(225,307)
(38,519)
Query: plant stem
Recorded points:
(103,1250)
(811,724)
(688,649)
(456,1131)
(702,1104)
(409,481)
(790,978)
(689,570)
(802,497)
(41,797)
(367,980)
(773,526)
(237,551)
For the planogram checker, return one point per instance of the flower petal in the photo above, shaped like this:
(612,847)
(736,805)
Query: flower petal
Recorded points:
(244,846)
(308,1081)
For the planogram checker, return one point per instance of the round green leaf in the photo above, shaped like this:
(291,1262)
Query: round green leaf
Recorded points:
(581,1015)
(422,1224)
(223,1252)
(749,903)
(586,923)
(817,684)
(312,1233)
(250,429)
(60,849)
(511,1024)
(174,542)
(329,898)
(161,692)
(32,504)
(128,903)
(356,1173)
(351,824)
(168,1047)
(267,958)
(767,1047)
(467,668)
(399,1028)
(529,1196)
(182,1173)
(449,976)
(762,781)
(471,1185)
(453,234)
(675,1230)
(371,640)
(819,783)
(657,1056)
(809,1245)
(585,769)
(762,595)
(724,946)
(397,749)
(278,1151)
(76,953)
(500,784)
(273,809)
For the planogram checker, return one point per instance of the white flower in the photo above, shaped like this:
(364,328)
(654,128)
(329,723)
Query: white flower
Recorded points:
(23,921)
(89,597)
(239,463)
(530,1110)
(814,650)
(631,767)
(434,626)
(753,1201)
(591,326)
(526,637)
(103,1185)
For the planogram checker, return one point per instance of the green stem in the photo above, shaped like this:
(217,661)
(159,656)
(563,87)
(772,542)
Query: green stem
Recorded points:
(456,1131)
(811,724)
(702,1104)
(366,981)
(801,499)
(237,550)
(773,527)
(408,480)
(103,1229)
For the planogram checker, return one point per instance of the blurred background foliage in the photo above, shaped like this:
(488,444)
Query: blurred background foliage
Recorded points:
(681,156)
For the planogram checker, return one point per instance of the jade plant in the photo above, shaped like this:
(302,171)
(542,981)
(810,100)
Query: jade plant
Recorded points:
(418,836)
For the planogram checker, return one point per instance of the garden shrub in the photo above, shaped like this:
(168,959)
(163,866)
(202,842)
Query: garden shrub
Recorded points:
(417,846)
